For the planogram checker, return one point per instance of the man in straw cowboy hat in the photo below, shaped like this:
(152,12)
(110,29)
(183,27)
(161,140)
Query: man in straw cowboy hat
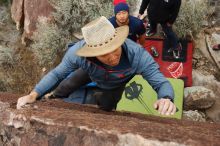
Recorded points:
(136,33)
(110,60)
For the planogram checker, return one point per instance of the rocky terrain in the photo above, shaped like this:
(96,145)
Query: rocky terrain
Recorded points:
(54,122)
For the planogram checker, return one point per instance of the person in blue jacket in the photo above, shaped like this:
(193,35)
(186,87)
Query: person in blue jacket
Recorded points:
(136,33)
(110,60)
(137,29)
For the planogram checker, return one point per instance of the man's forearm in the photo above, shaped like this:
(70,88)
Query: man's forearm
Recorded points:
(46,84)
(166,91)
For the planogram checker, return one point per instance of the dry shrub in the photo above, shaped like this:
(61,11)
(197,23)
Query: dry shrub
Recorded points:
(48,40)
(4,15)
(7,56)
(191,17)
(18,70)
(19,74)
(52,39)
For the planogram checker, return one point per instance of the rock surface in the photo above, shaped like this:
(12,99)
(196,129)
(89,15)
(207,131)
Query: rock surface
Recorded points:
(211,41)
(198,97)
(214,112)
(54,122)
(194,116)
(26,14)
(211,83)
(208,81)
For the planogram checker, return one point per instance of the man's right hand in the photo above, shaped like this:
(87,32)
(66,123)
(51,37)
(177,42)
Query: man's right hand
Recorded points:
(30,98)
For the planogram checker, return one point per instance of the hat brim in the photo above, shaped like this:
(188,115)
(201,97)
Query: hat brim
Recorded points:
(115,43)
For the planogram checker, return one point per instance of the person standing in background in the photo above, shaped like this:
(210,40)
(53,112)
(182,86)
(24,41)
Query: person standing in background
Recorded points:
(165,13)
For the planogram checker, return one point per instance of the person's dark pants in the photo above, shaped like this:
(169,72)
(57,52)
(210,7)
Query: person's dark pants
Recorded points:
(106,99)
(171,36)
(153,26)
(77,79)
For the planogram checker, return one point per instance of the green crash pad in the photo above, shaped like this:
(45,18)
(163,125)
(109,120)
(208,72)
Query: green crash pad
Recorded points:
(140,97)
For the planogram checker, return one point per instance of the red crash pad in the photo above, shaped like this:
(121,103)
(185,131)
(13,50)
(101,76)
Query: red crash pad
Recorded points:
(171,67)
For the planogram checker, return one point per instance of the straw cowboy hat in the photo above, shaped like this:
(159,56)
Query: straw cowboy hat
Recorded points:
(101,38)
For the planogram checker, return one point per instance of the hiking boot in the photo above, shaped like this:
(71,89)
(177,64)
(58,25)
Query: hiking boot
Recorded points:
(154,52)
(148,26)
(176,54)
(150,33)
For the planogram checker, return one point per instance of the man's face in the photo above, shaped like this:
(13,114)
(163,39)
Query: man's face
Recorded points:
(122,17)
(111,59)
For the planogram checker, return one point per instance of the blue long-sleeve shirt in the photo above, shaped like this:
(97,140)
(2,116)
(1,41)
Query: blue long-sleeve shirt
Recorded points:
(139,60)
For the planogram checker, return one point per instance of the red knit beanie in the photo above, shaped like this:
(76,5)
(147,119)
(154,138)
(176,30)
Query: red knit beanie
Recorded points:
(115,2)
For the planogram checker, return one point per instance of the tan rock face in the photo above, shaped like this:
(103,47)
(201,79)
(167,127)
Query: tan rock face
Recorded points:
(17,12)
(214,112)
(54,122)
(209,82)
(26,14)
(194,116)
(198,97)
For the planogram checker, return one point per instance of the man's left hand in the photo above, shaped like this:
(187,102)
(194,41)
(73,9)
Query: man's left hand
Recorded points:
(165,107)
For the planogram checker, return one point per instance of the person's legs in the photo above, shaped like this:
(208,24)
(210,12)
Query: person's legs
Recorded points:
(153,28)
(72,83)
(172,37)
(107,99)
